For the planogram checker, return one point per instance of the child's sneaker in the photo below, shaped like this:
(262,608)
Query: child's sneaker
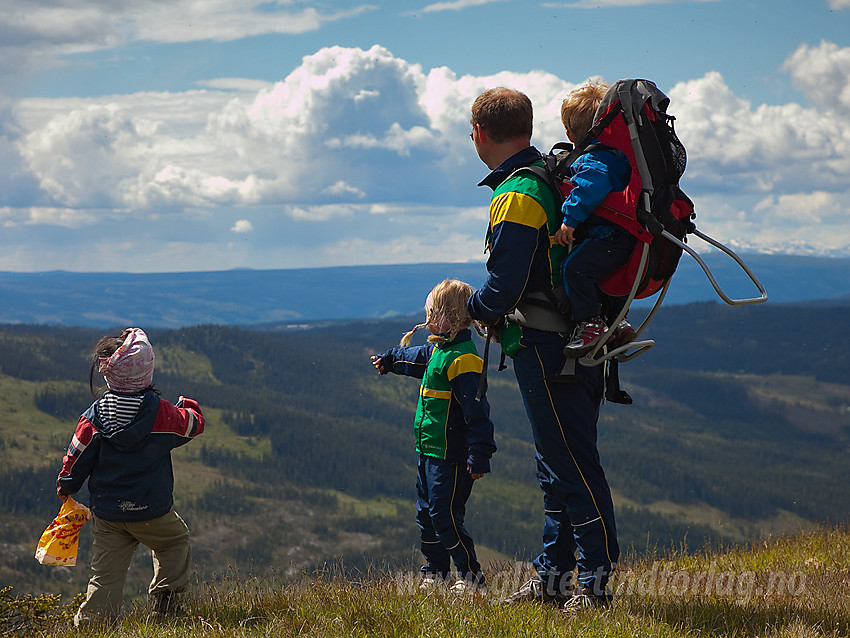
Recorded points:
(464,586)
(624,333)
(430,582)
(585,335)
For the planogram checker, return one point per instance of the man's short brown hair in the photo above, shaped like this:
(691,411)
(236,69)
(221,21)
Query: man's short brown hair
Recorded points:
(505,114)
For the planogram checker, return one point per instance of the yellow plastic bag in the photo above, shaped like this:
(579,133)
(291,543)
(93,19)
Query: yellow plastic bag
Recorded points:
(60,541)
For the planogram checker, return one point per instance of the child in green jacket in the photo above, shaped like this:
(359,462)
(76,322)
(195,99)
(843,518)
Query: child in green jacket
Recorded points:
(454,433)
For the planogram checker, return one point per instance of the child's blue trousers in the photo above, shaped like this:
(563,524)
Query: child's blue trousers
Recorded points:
(442,489)
(606,248)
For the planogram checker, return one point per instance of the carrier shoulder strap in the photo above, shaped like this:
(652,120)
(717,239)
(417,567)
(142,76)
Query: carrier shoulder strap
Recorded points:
(556,166)
(586,144)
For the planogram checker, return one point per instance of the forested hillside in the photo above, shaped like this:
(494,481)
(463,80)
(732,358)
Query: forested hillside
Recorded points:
(740,426)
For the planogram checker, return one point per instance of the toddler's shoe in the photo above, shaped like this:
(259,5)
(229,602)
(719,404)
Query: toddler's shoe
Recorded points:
(624,333)
(585,336)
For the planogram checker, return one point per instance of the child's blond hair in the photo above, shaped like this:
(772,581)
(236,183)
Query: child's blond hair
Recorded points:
(448,305)
(579,107)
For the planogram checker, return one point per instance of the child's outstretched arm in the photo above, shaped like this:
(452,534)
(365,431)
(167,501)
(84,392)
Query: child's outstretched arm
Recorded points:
(378,362)
(184,421)
(409,361)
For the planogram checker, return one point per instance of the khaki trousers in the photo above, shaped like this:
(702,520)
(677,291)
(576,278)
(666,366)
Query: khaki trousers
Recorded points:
(113,546)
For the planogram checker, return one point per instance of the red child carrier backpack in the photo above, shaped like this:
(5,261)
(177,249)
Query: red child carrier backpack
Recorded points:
(633,119)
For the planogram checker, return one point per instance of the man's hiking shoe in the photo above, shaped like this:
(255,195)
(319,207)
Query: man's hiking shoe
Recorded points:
(585,336)
(624,333)
(464,586)
(535,590)
(586,600)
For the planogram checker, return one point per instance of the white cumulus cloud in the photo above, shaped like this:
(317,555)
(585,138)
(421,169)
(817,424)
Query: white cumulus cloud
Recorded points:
(346,126)
(242,226)
(37,32)
(734,146)
(456,5)
(821,73)
(361,149)
(598,4)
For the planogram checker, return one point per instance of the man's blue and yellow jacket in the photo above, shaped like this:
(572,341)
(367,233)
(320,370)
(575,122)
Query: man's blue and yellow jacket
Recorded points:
(524,215)
(450,423)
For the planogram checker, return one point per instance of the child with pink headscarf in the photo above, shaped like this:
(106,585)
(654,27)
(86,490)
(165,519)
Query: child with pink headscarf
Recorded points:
(122,446)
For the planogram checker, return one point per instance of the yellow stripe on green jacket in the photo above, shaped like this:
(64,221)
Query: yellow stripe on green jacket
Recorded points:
(450,423)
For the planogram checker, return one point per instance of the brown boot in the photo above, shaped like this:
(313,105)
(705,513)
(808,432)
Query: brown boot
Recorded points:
(166,603)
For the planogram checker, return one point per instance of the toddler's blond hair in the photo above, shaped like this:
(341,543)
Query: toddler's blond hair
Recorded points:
(579,107)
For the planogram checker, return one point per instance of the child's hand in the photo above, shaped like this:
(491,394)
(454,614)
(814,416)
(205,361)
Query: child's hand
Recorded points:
(378,362)
(477,461)
(565,235)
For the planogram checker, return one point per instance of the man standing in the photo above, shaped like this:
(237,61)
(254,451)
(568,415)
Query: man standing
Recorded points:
(579,529)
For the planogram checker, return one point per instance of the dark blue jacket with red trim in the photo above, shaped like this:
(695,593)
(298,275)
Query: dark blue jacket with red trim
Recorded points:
(128,466)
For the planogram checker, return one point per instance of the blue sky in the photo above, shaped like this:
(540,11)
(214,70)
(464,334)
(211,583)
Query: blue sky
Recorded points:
(174,135)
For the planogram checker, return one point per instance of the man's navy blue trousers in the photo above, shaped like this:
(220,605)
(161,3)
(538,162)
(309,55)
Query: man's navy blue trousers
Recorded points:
(579,527)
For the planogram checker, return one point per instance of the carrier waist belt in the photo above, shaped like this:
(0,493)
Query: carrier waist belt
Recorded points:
(537,311)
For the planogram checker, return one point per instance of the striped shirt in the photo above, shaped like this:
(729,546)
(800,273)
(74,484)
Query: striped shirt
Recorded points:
(116,411)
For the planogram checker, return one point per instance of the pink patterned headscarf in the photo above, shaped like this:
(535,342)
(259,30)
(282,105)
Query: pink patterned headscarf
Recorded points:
(130,368)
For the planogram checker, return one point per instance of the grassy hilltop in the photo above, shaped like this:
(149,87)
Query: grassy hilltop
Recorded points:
(789,586)
(740,429)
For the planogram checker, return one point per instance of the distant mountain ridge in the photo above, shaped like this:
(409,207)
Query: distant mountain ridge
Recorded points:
(246,297)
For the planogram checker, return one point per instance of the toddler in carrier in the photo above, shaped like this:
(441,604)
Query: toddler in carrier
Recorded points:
(598,246)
